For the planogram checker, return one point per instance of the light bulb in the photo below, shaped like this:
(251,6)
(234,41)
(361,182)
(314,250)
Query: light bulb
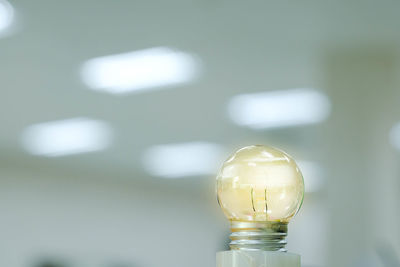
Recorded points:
(259,189)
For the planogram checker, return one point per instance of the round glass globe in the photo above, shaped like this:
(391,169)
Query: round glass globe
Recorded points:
(260,184)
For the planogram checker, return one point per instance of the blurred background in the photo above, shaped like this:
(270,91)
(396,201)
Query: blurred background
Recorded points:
(116,115)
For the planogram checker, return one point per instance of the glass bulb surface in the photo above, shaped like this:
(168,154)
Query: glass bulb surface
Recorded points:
(260,184)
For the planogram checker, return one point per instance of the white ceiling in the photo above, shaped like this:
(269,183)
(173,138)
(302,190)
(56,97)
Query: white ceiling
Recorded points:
(243,46)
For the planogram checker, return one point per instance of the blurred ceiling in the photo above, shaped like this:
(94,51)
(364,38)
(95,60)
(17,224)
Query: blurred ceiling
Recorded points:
(243,46)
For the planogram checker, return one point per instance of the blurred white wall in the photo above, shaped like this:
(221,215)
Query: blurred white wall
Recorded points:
(95,222)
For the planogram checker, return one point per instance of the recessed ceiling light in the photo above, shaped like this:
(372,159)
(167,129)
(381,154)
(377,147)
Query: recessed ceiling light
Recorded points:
(66,137)
(313,175)
(6,14)
(139,70)
(182,160)
(395,136)
(279,108)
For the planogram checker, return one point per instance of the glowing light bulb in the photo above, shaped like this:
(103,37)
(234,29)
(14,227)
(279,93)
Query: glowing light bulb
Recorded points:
(259,189)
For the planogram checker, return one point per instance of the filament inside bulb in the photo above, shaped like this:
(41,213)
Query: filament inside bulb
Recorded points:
(260,183)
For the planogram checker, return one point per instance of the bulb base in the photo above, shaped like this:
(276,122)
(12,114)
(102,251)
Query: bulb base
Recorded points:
(264,236)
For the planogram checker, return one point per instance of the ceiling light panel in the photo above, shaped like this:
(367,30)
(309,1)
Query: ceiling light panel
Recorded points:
(313,175)
(279,108)
(6,15)
(66,137)
(395,136)
(137,71)
(183,159)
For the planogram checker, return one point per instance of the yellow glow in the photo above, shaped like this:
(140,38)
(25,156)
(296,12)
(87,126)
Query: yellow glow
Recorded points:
(259,184)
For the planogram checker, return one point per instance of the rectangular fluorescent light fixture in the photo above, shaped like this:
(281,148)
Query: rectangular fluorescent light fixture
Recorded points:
(183,160)
(6,15)
(279,108)
(139,70)
(314,179)
(66,137)
(395,136)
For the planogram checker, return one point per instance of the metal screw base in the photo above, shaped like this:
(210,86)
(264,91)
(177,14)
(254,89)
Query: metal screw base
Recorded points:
(267,236)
